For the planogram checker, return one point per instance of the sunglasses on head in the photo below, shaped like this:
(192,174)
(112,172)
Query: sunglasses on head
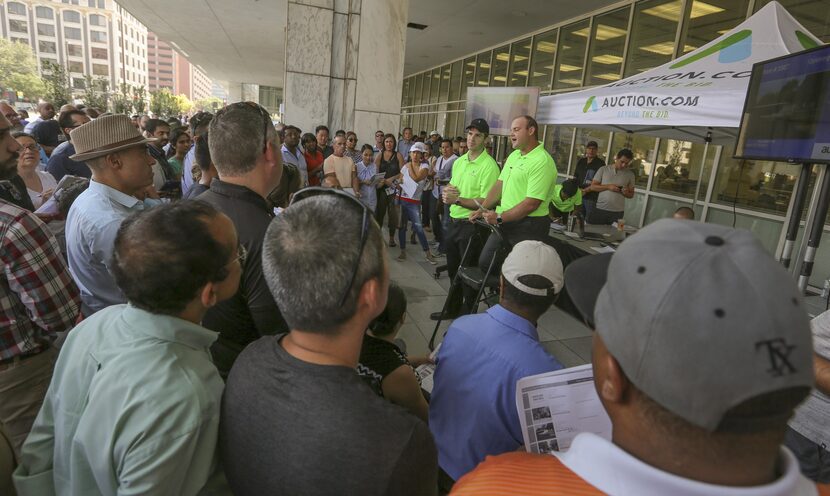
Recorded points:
(364,232)
(264,113)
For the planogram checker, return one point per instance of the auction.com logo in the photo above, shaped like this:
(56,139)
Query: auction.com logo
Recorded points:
(642,101)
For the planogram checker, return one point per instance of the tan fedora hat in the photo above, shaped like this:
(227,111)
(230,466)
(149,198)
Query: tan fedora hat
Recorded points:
(105,135)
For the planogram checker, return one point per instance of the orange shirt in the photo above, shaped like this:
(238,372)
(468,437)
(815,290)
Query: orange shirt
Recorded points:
(521,474)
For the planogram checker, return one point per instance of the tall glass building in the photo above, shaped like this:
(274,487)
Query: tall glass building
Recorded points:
(621,40)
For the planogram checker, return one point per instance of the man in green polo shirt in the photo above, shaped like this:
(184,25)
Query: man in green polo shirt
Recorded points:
(522,195)
(566,197)
(473,175)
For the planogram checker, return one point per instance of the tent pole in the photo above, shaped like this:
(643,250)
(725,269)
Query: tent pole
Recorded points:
(708,140)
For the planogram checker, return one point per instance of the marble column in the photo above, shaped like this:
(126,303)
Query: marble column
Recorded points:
(344,64)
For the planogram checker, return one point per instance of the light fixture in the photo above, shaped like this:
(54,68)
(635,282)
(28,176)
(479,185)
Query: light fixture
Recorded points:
(607,59)
(608,76)
(671,11)
(604,32)
(576,82)
(546,46)
(569,68)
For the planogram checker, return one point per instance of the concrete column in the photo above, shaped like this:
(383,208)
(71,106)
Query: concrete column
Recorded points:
(242,92)
(344,64)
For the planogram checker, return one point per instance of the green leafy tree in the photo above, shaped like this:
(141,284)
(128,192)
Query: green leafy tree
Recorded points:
(140,99)
(209,104)
(56,79)
(122,100)
(163,103)
(96,92)
(18,70)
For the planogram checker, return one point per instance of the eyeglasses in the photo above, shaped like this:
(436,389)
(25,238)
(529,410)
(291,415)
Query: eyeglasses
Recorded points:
(265,116)
(241,256)
(352,139)
(364,233)
(33,147)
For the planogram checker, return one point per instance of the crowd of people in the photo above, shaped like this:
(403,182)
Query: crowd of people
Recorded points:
(206,307)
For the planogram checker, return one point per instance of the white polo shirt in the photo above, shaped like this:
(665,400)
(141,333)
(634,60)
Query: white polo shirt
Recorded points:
(610,469)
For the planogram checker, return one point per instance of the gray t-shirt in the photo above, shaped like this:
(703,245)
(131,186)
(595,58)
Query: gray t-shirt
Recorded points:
(611,200)
(812,417)
(293,427)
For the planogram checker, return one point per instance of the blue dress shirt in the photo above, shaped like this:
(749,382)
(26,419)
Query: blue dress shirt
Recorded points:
(472,410)
(297,161)
(91,226)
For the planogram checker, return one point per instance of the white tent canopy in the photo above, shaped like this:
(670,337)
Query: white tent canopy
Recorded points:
(702,91)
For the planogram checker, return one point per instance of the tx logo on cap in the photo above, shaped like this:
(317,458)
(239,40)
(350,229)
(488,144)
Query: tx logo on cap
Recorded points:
(778,352)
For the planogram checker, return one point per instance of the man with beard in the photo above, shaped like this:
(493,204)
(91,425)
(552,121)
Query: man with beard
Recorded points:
(47,113)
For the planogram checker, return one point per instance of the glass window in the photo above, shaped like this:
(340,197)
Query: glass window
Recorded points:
(709,19)
(72,33)
(18,26)
(44,12)
(583,136)
(99,53)
(434,77)
(78,83)
(519,62)
(444,87)
(45,29)
(419,81)
(812,14)
(425,88)
(405,93)
(97,20)
(46,47)
(662,208)
(74,50)
(75,66)
(91,3)
(652,35)
(100,70)
(483,71)
(467,76)
(455,81)
(501,58)
(643,149)
(102,4)
(634,209)
(44,63)
(607,47)
(544,52)
(754,184)
(767,231)
(571,60)
(677,168)
(99,36)
(17,8)
(558,141)
(71,16)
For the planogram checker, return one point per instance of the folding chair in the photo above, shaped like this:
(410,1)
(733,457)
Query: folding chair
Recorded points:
(486,284)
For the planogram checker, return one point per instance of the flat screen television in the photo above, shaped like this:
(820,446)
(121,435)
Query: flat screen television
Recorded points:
(786,114)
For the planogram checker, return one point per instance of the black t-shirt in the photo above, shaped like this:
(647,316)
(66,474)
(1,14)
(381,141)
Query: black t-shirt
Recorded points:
(584,174)
(293,427)
(379,358)
(252,311)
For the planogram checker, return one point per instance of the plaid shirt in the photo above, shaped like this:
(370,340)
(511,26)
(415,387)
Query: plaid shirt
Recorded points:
(37,294)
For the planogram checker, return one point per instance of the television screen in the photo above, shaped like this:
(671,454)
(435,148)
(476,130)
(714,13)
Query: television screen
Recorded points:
(786,115)
(499,106)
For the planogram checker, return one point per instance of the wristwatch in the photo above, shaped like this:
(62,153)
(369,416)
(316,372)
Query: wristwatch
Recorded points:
(499,220)
(457,201)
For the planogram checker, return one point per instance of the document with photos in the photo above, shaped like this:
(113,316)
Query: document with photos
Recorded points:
(556,406)
(51,206)
(427,371)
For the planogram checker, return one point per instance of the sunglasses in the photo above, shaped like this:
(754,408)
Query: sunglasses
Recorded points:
(265,117)
(364,232)
(241,256)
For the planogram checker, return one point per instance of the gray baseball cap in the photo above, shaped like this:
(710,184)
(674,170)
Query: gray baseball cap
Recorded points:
(700,317)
